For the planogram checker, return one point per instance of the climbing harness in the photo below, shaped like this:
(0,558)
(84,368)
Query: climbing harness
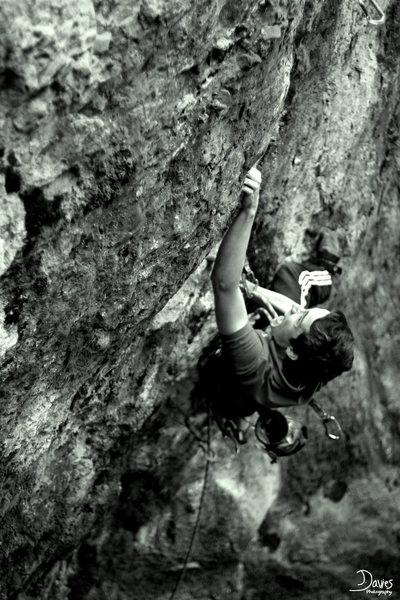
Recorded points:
(327,421)
(378,9)
(281,435)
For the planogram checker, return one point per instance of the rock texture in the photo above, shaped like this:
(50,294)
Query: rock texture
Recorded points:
(125,131)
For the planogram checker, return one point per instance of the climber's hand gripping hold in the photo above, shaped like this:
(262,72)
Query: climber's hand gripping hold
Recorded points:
(251,189)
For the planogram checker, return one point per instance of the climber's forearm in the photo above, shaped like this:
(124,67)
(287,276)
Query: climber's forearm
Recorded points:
(232,251)
(263,296)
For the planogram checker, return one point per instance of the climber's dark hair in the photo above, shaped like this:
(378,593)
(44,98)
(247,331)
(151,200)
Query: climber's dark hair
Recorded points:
(326,350)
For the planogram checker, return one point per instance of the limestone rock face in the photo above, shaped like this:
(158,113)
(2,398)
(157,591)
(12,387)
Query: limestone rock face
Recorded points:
(125,131)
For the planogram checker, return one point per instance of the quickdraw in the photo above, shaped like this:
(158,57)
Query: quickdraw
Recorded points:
(378,9)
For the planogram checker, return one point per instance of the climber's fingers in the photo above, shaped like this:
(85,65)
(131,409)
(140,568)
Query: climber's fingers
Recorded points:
(254,174)
(272,314)
(251,189)
(253,185)
(252,181)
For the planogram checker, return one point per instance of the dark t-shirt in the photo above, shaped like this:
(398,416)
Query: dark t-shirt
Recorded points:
(257,376)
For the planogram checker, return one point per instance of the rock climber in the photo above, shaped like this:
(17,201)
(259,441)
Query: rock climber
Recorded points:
(302,348)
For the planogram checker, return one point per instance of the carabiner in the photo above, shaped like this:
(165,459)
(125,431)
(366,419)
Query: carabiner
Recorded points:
(329,419)
(209,452)
(378,9)
(326,419)
(231,443)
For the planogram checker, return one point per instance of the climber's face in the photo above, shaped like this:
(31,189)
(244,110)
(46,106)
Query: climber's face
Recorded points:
(295,322)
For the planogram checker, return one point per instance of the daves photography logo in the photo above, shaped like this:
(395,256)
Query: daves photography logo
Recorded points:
(370,585)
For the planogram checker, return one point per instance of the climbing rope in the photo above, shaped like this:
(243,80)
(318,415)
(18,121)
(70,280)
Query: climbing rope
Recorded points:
(204,445)
(203,493)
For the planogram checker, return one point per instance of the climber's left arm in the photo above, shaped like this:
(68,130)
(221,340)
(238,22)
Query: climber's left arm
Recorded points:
(264,297)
